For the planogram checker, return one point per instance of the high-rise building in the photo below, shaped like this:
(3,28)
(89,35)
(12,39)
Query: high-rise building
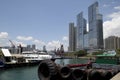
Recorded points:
(28,47)
(112,42)
(86,39)
(81,30)
(72,37)
(33,47)
(95,27)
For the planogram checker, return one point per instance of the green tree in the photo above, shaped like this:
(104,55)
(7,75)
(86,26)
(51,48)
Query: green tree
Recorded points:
(98,52)
(80,53)
(118,52)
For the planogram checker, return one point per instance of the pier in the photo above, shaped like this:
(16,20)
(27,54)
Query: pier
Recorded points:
(48,70)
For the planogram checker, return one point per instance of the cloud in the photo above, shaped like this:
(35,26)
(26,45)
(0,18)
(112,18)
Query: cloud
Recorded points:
(3,39)
(114,15)
(65,38)
(24,38)
(53,44)
(17,43)
(106,5)
(112,26)
(39,42)
(117,7)
(3,35)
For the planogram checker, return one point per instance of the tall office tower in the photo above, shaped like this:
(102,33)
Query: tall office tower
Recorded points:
(81,30)
(95,27)
(72,37)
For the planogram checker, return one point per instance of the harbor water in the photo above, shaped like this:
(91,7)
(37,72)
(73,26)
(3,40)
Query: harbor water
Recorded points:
(30,72)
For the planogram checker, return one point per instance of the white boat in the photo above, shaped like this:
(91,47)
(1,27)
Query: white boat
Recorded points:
(26,56)
(31,56)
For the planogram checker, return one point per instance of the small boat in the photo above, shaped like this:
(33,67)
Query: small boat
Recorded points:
(1,64)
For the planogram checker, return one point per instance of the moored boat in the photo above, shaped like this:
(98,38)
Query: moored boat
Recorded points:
(107,61)
(32,56)
(8,60)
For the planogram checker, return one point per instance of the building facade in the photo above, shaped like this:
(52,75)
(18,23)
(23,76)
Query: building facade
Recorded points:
(33,46)
(72,37)
(81,30)
(95,27)
(86,40)
(112,42)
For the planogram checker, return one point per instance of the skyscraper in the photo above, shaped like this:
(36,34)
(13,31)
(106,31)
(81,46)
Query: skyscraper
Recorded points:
(95,27)
(81,30)
(33,47)
(72,37)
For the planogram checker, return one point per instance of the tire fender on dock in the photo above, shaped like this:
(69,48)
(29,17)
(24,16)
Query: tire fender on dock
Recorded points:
(46,69)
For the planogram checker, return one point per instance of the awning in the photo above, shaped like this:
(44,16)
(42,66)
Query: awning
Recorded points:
(6,52)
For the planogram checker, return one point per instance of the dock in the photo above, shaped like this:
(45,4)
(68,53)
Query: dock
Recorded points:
(116,77)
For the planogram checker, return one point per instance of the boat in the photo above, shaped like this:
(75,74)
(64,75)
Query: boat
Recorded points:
(32,56)
(107,60)
(28,58)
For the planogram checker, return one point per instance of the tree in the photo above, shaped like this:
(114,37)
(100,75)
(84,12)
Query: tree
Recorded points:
(118,52)
(80,53)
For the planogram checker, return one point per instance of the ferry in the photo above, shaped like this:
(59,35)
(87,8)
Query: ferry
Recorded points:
(35,56)
(16,60)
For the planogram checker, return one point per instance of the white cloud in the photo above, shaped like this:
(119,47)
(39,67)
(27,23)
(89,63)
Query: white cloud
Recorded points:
(106,5)
(113,2)
(3,34)
(112,26)
(117,7)
(17,43)
(39,42)
(53,44)
(24,38)
(65,38)
(114,15)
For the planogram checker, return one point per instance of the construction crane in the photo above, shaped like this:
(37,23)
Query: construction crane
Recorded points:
(12,45)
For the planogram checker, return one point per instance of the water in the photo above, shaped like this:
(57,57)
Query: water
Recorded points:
(30,73)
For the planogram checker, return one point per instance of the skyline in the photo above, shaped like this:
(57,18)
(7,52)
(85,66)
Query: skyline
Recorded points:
(47,22)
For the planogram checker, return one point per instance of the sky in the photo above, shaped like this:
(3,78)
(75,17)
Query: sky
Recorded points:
(46,22)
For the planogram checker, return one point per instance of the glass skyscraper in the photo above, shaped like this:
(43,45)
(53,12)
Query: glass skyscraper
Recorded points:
(95,27)
(81,30)
(72,37)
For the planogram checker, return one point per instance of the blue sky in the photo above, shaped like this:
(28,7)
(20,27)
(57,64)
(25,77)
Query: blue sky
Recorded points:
(46,22)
